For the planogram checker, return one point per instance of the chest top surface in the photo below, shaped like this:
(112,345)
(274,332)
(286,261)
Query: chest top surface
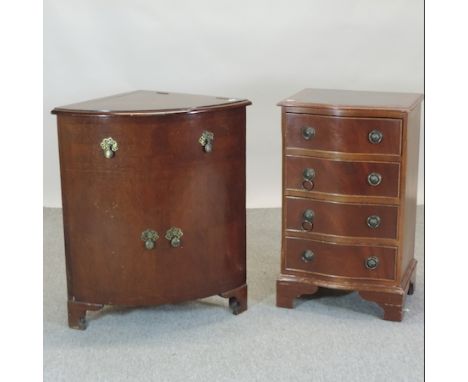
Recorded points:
(350,99)
(151,102)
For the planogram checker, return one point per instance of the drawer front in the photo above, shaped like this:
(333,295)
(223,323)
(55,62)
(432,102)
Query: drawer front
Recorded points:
(361,220)
(342,134)
(148,142)
(355,261)
(342,177)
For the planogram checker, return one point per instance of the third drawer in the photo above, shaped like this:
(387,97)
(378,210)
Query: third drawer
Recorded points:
(341,219)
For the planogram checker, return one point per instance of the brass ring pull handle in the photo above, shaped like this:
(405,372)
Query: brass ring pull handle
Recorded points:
(308,132)
(206,140)
(373,221)
(308,222)
(374,179)
(109,146)
(375,136)
(371,262)
(174,234)
(308,256)
(308,175)
(149,237)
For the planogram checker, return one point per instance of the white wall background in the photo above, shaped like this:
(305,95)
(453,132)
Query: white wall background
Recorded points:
(256,49)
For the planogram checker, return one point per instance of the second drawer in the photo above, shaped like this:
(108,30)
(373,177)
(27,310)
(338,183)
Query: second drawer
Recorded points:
(341,219)
(342,177)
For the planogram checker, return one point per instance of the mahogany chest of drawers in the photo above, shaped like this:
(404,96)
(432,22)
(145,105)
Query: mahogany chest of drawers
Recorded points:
(350,163)
(153,193)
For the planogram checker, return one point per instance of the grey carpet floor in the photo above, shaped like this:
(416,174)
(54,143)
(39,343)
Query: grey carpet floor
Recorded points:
(337,337)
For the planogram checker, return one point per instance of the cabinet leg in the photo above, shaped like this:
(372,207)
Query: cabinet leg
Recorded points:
(288,291)
(391,303)
(237,299)
(77,313)
(412,283)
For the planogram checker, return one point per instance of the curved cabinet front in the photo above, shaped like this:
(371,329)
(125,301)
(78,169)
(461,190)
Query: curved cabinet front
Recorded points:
(119,206)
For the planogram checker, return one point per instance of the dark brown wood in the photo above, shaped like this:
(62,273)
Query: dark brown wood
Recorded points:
(341,199)
(341,219)
(344,134)
(160,177)
(342,177)
(339,260)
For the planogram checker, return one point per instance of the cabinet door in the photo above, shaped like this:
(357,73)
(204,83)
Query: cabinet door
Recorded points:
(159,177)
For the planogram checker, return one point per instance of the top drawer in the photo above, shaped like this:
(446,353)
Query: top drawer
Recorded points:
(145,143)
(343,134)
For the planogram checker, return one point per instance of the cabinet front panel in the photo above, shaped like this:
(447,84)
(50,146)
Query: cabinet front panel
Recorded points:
(361,220)
(159,177)
(341,177)
(354,261)
(343,134)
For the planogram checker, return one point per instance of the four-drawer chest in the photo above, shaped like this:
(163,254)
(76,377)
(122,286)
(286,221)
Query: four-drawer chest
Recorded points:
(350,164)
(153,193)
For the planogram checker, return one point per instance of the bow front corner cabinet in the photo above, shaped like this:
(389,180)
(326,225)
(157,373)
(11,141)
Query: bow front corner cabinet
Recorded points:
(350,171)
(153,194)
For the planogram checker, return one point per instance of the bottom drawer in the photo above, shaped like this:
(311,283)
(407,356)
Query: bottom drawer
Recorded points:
(354,261)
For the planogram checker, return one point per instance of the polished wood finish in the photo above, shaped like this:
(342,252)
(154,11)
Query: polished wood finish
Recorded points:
(145,102)
(341,219)
(160,177)
(342,156)
(334,259)
(344,134)
(342,177)
(349,101)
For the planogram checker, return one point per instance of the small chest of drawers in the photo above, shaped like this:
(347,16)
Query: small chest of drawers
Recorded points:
(153,193)
(350,163)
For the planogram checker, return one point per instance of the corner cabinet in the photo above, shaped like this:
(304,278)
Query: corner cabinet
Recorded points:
(153,193)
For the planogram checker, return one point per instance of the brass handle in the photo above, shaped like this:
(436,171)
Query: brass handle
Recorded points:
(308,256)
(373,221)
(174,234)
(206,140)
(308,175)
(308,132)
(149,236)
(374,179)
(109,146)
(371,262)
(375,136)
(308,222)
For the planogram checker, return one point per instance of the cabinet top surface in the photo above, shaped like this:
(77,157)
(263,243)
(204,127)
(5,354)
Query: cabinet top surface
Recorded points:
(350,99)
(150,102)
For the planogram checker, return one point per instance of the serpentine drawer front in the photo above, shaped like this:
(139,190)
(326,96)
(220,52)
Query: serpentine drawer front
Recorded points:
(331,259)
(332,218)
(350,162)
(342,177)
(343,134)
(140,174)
